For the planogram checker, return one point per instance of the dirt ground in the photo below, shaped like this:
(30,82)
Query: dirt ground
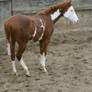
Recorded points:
(69,63)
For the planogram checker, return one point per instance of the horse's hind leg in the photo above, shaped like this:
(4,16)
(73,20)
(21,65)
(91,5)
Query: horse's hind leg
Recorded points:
(21,49)
(11,52)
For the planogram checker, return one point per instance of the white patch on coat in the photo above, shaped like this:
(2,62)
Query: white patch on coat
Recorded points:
(8,48)
(43,27)
(43,61)
(35,31)
(24,66)
(71,15)
(55,14)
(14,67)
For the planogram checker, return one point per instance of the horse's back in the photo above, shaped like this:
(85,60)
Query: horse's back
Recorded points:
(18,21)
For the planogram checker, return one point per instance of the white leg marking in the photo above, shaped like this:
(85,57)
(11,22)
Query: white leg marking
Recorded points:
(43,60)
(24,66)
(55,14)
(8,48)
(14,67)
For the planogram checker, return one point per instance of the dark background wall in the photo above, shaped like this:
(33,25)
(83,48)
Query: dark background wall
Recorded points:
(5,11)
(33,6)
(7,7)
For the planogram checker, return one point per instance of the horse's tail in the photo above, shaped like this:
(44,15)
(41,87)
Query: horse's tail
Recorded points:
(7,32)
(8,37)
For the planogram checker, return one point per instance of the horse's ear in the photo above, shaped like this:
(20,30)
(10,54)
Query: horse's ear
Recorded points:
(70,2)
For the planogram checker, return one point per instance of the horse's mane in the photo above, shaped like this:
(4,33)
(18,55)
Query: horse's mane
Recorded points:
(53,8)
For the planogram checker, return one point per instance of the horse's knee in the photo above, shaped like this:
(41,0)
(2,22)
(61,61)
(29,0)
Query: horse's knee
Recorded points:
(18,57)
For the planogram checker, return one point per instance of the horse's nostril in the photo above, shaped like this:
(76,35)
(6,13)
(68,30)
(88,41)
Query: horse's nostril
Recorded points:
(77,21)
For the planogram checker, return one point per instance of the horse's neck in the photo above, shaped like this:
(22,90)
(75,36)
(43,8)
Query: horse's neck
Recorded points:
(53,12)
(56,15)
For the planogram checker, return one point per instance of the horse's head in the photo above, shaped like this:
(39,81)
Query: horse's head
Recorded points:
(69,12)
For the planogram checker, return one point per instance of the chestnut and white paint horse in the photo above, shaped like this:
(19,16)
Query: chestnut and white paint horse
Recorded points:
(22,28)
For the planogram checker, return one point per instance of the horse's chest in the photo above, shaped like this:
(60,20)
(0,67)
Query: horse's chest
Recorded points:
(39,30)
(37,34)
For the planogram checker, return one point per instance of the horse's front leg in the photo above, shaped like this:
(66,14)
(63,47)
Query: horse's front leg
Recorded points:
(43,52)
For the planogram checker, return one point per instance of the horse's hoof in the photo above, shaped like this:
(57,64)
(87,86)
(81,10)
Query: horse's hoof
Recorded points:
(43,68)
(28,75)
(15,74)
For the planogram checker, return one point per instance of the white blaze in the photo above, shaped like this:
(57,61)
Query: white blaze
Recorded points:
(55,14)
(71,15)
